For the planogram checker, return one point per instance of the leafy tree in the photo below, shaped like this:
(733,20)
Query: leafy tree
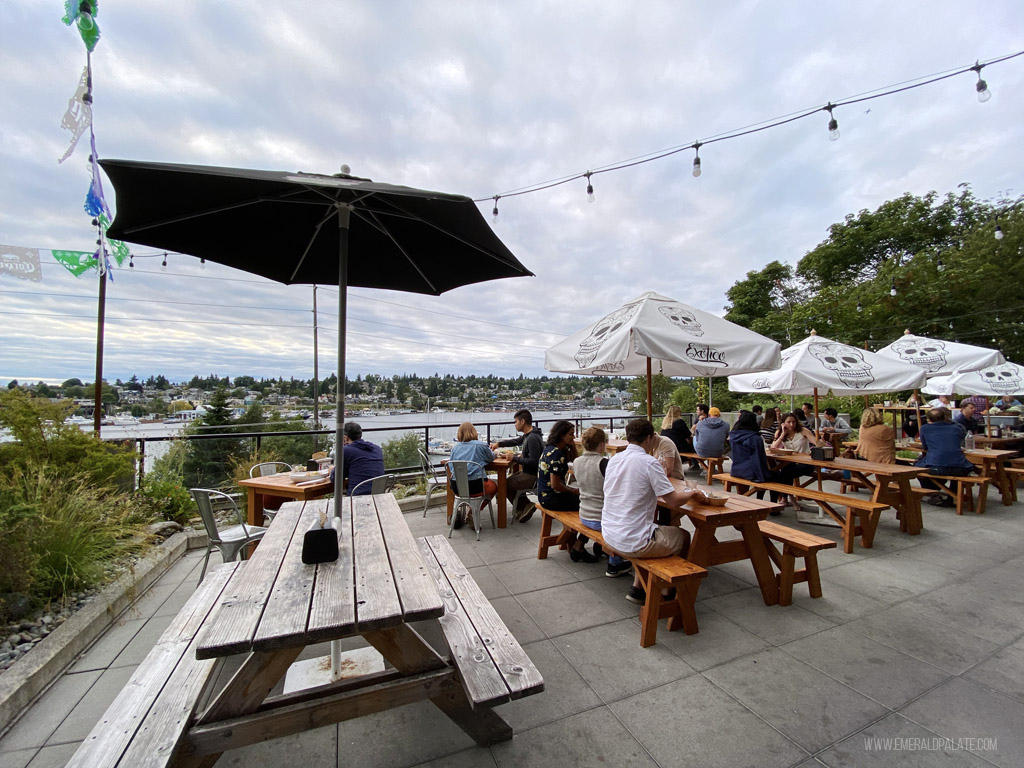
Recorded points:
(661,393)
(402,451)
(208,462)
(71,383)
(12,384)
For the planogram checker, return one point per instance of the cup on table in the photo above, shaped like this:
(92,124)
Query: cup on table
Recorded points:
(887,403)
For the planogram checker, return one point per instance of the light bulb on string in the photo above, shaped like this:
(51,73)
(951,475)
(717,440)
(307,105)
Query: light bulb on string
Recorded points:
(590,188)
(696,159)
(131,261)
(950,325)
(892,287)
(85,20)
(833,124)
(984,94)
(163,264)
(494,213)
(999,232)
(829,318)
(860,307)
(202,263)
(939,266)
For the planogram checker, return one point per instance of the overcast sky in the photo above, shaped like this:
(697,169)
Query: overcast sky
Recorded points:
(480,98)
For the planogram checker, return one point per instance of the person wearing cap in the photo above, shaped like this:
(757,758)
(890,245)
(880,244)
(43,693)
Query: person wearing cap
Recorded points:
(709,435)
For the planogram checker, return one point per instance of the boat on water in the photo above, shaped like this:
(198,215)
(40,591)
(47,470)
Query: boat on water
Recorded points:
(126,421)
(439,448)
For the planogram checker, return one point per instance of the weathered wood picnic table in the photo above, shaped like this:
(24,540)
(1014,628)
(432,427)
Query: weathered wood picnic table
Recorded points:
(991,462)
(175,711)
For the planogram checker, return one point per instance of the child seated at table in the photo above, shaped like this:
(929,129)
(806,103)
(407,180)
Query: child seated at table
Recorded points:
(589,470)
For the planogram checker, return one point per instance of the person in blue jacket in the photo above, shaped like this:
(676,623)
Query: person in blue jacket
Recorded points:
(361,460)
(709,434)
(941,440)
(749,461)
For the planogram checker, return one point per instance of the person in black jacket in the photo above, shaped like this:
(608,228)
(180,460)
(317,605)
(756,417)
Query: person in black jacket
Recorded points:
(532,443)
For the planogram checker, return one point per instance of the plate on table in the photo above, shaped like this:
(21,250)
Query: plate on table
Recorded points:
(303,477)
(780,451)
(716,501)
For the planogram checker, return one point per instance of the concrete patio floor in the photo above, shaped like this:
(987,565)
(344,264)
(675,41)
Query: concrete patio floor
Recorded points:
(913,657)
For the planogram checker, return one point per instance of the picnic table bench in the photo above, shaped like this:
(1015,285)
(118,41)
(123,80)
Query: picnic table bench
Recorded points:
(710,465)
(270,607)
(860,519)
(962,491)
(795,544)
(656,573)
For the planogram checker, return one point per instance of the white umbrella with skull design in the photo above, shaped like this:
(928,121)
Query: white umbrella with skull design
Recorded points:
(996,381)
(820,364)
(654,332)
(938,357)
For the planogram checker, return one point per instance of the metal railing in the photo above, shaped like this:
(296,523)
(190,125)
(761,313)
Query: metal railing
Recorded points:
(258,437)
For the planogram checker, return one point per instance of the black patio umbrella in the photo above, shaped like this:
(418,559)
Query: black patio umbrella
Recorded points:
(310,228)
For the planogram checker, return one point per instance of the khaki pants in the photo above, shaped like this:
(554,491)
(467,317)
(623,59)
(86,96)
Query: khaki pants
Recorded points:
(667,540)
(519,481)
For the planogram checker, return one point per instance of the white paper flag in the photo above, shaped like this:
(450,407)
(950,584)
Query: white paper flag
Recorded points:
(20,262)
(78,116)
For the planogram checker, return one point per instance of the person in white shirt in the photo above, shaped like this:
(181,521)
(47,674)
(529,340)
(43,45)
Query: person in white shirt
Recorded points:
(633,482)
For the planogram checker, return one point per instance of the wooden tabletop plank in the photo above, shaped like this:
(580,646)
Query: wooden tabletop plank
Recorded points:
(286,613)
(332,613)
(377,603)
(417,590)
(854,465)
(233,623)
(520,675)
(738,509)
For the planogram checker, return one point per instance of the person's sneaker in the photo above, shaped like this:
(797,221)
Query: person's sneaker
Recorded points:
(622,569)
(775,512)
(936,500)
(524,515)
(636,595)
(582,556)
(598,550)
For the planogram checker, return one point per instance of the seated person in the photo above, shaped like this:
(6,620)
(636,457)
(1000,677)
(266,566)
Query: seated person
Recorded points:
(876,441)
(807,416)
(665,452)
(980,404)
(758,412)
(674,427)
(769,427)
(469,447)
(942,401)
(554,492)
(748,457)
(361,460)
(1005,403)
(908,421)
(832,423)
(941,441)
(634,481)
(589,469)
(532,443)
(709,434)
(795,437)
(968,420)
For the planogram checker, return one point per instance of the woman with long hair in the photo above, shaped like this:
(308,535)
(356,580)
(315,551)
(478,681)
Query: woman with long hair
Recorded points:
(769,426)
(794,436)
(554,491)
(674,427)
(876,441)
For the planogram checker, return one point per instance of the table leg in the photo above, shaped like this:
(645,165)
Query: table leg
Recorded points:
(502,473)
(403,647)
(761,561)
(1003,481)
(253,502)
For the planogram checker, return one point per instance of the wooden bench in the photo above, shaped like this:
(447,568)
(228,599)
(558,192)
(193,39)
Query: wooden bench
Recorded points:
(1016,475)
(656,573)
(861,518)
(965,485)
(794,544)
(146,722)
(711,465)
(491,664)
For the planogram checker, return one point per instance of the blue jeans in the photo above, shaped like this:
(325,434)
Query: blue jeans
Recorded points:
(595,525)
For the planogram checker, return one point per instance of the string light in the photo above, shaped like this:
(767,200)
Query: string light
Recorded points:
(85,21)
(696,159)
(939,265)
(131,261)
(950,325)
(892,287)
(494,213)
(163,265)
(202,263)
(833,124)
(984,94)
(829,318)
(590,188)
(999,230)
(860,307)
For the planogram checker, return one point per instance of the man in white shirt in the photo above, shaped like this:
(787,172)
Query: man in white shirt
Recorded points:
(633,482)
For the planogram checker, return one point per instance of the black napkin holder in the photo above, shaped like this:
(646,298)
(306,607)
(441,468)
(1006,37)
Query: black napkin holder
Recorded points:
(823,453)
(320,545)
(312,465)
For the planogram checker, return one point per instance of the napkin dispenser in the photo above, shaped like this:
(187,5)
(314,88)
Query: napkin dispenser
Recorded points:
(823,453)
(320,543)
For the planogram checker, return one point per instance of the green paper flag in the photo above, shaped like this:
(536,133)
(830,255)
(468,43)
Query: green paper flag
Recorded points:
(75,262)
(82,13)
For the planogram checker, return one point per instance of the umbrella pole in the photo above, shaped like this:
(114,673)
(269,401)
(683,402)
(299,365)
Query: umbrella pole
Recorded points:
(817,421)
(316,380)
(339,417)
(650,396)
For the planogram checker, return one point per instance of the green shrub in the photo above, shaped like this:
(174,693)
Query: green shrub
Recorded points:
(402,451)
(169,500)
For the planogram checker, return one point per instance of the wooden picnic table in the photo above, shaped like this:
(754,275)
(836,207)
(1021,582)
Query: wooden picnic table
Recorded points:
(611,447)
(889,484)
(500,466)
(743,514)
(991,462)
(278,486)
(273,606)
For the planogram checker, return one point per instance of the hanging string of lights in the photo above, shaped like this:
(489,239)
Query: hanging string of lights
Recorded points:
(981,88)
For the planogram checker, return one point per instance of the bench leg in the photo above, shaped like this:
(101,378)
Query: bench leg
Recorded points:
(650,610)
(786,571)
(869,524)
(545,536)
(813,577)
(982,498)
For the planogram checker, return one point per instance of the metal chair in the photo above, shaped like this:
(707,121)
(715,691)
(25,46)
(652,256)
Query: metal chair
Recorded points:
(379,484)
(458,476)
(519,494)
(434,478)
(231,541)
(265,469)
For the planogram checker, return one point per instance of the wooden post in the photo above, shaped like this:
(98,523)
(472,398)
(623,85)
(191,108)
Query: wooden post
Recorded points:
(650,395)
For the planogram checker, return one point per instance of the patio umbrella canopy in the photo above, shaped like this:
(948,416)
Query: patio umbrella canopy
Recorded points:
(302,227)
(820,364)
(938,357)
(654,331)
(996,381)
